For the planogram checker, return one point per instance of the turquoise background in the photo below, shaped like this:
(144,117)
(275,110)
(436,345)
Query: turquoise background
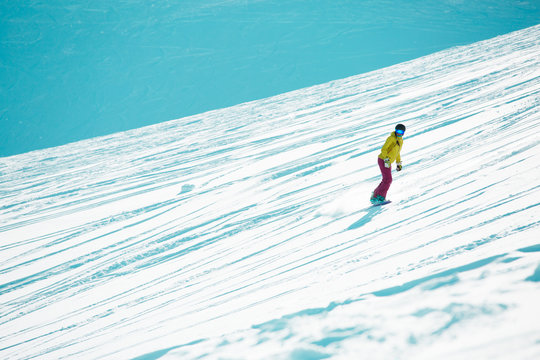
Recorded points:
(71,70)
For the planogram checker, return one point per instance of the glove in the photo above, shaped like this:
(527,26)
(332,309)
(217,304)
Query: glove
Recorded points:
(386,162)
(399,167)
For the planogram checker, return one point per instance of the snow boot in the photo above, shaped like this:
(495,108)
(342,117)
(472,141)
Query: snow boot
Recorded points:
(376,199)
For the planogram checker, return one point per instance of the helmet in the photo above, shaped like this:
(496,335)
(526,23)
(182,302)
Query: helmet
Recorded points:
(400,127)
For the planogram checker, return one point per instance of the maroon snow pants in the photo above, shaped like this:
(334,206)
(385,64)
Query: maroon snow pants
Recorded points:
(383,187)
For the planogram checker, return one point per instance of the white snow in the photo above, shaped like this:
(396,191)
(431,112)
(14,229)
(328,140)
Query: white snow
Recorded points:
(247,232)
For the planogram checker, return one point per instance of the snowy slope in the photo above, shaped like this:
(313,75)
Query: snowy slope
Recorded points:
(247,232)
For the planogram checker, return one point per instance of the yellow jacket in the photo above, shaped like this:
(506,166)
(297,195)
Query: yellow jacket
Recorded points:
(392,148)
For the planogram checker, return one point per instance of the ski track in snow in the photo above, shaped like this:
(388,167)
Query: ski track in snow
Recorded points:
(247,232)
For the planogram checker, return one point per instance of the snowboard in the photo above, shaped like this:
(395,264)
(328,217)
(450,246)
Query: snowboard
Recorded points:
(382,203)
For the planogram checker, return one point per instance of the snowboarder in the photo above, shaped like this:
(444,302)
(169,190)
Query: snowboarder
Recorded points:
(390,152)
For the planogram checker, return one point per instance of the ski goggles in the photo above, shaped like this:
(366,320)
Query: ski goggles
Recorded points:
(400,132)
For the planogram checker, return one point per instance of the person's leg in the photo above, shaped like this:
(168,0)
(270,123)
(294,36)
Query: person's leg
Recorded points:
(383,187)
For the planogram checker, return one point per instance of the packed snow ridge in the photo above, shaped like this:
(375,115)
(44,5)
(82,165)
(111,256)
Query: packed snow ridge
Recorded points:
(247,233)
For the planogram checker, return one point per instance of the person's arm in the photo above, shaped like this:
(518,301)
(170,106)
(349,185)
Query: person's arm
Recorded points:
(384,151)
(386,146)
(398,158)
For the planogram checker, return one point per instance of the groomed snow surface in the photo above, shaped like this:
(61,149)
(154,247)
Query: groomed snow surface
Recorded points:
(246,233)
